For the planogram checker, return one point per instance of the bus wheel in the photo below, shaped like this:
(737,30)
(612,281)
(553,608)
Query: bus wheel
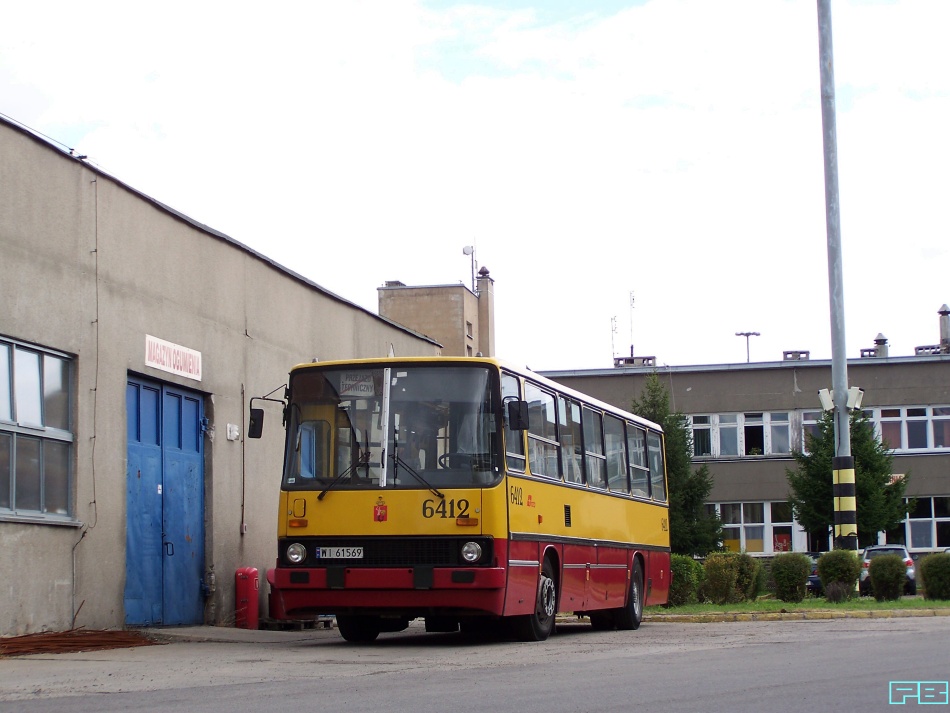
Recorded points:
(631,615)
(540,625)
(358,629)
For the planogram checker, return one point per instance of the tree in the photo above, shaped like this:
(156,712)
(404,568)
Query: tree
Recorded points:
(693,531)
(880,496)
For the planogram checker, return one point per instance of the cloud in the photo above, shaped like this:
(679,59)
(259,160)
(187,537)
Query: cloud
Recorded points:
(670,148)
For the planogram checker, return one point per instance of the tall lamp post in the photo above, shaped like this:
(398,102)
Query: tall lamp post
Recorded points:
(747,335)
(843,474)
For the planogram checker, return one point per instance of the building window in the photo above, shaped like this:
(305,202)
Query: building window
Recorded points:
(782,524)
(702,436)
(743,434)
(910,428)
(755,527)
(928,525)
(35,431)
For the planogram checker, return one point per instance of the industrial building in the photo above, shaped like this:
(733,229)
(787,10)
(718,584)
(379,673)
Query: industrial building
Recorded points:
(131,339)
(748,418)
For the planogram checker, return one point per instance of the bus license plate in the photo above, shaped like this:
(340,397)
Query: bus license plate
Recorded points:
(341,553)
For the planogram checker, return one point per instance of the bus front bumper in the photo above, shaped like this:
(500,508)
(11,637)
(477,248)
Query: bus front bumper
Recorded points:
(297,593)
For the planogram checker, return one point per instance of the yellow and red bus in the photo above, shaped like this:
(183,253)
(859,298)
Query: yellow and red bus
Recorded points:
(464,491)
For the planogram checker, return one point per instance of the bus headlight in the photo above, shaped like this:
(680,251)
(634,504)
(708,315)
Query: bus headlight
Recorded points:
(471,552)
(296,553)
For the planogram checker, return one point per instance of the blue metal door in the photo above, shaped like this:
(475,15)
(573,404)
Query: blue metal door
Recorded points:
(165,506)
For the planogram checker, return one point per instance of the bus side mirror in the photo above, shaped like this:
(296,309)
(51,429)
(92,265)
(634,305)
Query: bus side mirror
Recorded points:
(255,426)
(518,415)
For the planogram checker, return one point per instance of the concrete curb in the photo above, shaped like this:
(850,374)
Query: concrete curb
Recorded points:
(812,614)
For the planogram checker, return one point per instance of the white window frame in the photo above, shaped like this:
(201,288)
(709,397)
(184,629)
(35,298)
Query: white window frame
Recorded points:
(881,415)
(799,540)
(16,430)
(718,423)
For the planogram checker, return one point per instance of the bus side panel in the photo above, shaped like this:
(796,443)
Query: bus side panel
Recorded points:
(523,571)
(609,580)
(575,579)
(657,578)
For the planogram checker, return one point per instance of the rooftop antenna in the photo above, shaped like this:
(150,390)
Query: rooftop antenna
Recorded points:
(631,322)
(613,331)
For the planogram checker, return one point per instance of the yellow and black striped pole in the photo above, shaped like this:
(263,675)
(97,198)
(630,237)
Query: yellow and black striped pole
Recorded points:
(846,504)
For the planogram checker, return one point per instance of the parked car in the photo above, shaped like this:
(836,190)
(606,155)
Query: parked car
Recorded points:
(813,585)
(870,553)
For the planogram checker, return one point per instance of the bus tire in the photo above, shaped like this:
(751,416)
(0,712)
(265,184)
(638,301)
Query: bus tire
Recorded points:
(631,615)
(358,629)
(540,625)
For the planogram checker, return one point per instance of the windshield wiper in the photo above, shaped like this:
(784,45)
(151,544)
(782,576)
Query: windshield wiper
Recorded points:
(397,461)
(362,459)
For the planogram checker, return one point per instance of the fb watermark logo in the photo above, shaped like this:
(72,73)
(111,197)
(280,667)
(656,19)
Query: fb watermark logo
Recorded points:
(919,692)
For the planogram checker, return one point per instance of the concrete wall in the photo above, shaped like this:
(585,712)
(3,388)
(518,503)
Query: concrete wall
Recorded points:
(89,267)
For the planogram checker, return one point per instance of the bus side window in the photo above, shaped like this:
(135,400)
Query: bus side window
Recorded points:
(657,474)
(569,430)
(637,455)
(542,433)
(514,439)
(594,448)
(616,463)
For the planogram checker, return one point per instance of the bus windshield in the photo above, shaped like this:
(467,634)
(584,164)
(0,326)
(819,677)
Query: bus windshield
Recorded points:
(396,427)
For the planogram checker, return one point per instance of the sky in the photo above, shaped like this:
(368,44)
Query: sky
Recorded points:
(645,173)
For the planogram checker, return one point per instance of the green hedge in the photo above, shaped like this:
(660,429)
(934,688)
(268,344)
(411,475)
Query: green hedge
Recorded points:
(935,575)
(888,575)
(731,577)
(790,572)
(839,571)
(687,576)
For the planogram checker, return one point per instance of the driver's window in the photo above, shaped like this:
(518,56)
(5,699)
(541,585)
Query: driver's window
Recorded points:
(514,440)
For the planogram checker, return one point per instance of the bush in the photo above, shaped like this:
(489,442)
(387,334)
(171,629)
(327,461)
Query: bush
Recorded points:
(686,580)
(888,575)
(747,577)
(722,571)
(790,572)
(838,592)
(840,567)
(935,573)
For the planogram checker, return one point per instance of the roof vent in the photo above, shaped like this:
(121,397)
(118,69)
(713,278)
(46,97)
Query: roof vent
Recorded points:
(796,355)
(635,361)
(878,351)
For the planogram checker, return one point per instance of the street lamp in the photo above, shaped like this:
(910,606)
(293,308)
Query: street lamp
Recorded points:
(747,335)
(470,251)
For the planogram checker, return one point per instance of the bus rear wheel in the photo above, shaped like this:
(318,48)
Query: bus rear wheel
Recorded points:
(629,617)
(540,625)
(358,629)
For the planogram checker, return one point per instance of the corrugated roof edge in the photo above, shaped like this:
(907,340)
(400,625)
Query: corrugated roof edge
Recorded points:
(39,138)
